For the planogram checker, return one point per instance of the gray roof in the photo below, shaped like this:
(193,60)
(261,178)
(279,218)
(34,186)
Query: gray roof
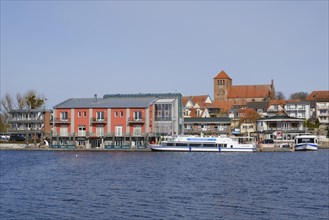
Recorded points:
(145,95)
(258,105)
(107,102)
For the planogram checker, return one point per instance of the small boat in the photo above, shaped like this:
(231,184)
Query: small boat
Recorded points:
(206,144)
(306,142)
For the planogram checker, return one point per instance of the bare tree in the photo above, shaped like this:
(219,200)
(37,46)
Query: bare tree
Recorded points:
(299,95)
(21,103)
(279,96)
(7,103)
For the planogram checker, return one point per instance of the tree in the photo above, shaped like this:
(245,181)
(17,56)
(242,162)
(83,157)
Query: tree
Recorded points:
(33,100)
(279,96)
(3,125)
(299,95)
(7,105)
(21,103)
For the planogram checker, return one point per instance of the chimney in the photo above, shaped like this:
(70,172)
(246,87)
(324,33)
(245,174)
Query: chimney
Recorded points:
(95,98)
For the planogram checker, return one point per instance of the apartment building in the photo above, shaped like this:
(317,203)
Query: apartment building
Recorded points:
(116,121)
(31,123)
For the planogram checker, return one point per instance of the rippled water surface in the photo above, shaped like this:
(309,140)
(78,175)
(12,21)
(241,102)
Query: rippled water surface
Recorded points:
(149,185)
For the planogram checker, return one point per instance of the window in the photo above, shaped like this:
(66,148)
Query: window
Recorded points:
(100,116)
(64,116)
(137,130)
(63,131)
(163,112)
(118,131)
(137,116)
(115,114)
(99,130)
(84,114)
(81,130)
(121,113)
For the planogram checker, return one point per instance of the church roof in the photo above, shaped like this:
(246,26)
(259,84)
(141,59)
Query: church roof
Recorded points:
(222,75)
(249,91)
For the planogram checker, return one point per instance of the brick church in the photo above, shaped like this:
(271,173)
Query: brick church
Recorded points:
(226,95)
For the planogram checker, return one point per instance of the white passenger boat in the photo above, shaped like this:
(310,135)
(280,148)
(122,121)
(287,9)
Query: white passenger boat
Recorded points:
(207,144)
(306,142)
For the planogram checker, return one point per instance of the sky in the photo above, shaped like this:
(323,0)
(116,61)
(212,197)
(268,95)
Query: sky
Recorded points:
(75,49)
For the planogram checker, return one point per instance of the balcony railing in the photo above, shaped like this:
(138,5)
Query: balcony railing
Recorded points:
(98,120)
(136,120)
(62,121)
(26,120)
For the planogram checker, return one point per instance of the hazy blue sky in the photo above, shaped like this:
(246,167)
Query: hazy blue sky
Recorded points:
(81,48)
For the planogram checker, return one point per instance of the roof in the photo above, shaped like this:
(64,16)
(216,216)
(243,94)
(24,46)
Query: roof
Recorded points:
(107,103)
(144,95)
(322,96)
(222,75)
(249,91)
(258,105)
(208,120)
(277,102)
(27,110)
(224,106)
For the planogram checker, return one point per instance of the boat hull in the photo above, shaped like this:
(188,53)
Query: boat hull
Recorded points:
(203,149)
(306,147)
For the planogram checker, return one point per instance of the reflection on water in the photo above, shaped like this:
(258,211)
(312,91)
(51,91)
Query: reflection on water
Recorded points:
(149,185)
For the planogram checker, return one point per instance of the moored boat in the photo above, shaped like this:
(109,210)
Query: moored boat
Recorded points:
(306,142)
(206,144)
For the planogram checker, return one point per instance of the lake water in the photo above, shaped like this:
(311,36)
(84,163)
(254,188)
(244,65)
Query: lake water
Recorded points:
(160,185)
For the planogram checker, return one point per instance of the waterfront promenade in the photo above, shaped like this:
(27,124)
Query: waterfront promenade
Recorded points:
(16,146)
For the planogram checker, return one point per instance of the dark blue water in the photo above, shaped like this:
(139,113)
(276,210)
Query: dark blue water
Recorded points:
(149,185)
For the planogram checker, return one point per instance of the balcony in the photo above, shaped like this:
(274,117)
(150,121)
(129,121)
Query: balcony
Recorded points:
(62,121)
(136,120)
(98,120)
(25,120)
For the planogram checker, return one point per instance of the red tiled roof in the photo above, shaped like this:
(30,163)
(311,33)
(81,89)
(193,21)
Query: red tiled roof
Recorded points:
(224,106)
(319,96)
(222,75)
(249,91)
(185,99)
(277,102)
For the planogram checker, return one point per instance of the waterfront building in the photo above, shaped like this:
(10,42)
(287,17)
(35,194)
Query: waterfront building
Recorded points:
(259,107)
(298,109)
(31,123)
(207,126)
(116,121)
(321,107)
(280,126)
(275,107)
(247,118)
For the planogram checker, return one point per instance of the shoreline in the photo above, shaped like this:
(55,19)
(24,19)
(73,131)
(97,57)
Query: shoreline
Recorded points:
(22,147)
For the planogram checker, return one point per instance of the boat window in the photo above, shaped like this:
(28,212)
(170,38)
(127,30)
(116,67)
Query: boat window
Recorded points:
(170,144)
(181,144)
(209,145)
(306,140)
(222,145)
(195,145)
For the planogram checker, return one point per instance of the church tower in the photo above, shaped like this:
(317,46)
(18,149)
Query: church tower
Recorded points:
(222,82)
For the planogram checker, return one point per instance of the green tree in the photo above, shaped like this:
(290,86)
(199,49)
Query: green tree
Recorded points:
(33,100)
